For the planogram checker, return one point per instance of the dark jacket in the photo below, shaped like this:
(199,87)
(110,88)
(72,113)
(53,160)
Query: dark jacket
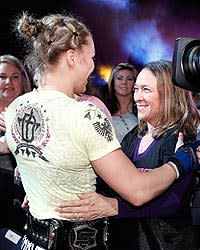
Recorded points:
(163,223)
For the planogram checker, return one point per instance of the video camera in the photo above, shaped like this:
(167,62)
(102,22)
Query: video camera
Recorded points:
(186,64)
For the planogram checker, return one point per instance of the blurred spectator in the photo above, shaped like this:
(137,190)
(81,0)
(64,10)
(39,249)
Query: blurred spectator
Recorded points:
(14,81)
(96,94)
(121,104)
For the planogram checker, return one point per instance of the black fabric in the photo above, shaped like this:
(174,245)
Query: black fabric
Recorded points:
(174,232)
(185,160)
(11,196)
(123,234)
(195,204)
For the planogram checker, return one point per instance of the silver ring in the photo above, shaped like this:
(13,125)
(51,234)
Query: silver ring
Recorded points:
(78,216)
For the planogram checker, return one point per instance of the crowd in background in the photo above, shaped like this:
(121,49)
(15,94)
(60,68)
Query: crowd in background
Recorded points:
(117,99)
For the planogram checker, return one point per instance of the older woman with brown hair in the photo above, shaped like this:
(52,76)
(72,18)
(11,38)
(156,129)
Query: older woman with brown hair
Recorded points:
(164,111)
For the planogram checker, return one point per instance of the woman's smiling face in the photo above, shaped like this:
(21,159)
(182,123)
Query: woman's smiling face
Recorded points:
(147,97)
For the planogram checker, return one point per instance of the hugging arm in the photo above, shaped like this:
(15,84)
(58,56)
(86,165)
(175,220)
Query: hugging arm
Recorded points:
(94,205)
(165,205)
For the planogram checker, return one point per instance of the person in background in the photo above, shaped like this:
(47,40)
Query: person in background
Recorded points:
(120,102)
(195,203)
(14,81)
(164,111)
(95,93)
(61,145)
(196,97)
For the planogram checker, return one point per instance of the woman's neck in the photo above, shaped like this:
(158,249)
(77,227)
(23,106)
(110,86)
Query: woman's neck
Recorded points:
(150,129)
(56,81)
(56,88)
(125,104)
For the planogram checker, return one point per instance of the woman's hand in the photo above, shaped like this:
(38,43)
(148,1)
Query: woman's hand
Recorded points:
(25,202)
(2,122)
(90,206)
(3,145)
(17,173)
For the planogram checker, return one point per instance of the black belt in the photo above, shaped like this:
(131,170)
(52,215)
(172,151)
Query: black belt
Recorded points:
(54,234)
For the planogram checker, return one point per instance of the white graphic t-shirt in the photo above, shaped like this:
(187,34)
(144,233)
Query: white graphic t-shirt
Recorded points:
(54,138)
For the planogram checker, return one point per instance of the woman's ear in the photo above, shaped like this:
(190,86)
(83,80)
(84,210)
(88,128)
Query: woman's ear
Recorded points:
(70,57)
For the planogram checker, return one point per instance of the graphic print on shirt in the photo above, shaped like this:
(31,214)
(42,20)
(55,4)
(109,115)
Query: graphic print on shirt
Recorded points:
(30,131)
(102,124)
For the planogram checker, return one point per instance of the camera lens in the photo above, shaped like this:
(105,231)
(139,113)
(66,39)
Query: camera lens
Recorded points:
(191,62)
(186,64)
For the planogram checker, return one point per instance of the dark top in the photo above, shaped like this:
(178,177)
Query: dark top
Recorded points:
(160,223)
(170,202)
(11,195)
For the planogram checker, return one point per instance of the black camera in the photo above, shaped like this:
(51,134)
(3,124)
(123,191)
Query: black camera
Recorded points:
(186,64)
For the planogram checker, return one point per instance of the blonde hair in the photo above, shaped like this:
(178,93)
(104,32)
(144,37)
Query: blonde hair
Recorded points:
(10,59)
(50,36)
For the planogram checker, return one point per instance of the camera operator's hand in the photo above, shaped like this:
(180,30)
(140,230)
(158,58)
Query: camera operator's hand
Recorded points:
(186,158)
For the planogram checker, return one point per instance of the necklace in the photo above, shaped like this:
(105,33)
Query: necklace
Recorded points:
(124,122)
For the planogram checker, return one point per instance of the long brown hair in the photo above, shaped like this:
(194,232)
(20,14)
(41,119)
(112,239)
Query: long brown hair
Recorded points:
(113,103)
(178,104)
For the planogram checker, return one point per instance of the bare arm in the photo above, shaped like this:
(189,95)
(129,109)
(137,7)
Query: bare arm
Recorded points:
(124,178)
(121,175)
(92,205)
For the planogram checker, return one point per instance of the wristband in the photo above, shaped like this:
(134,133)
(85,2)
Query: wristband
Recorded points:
(174,167)
(184,161)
